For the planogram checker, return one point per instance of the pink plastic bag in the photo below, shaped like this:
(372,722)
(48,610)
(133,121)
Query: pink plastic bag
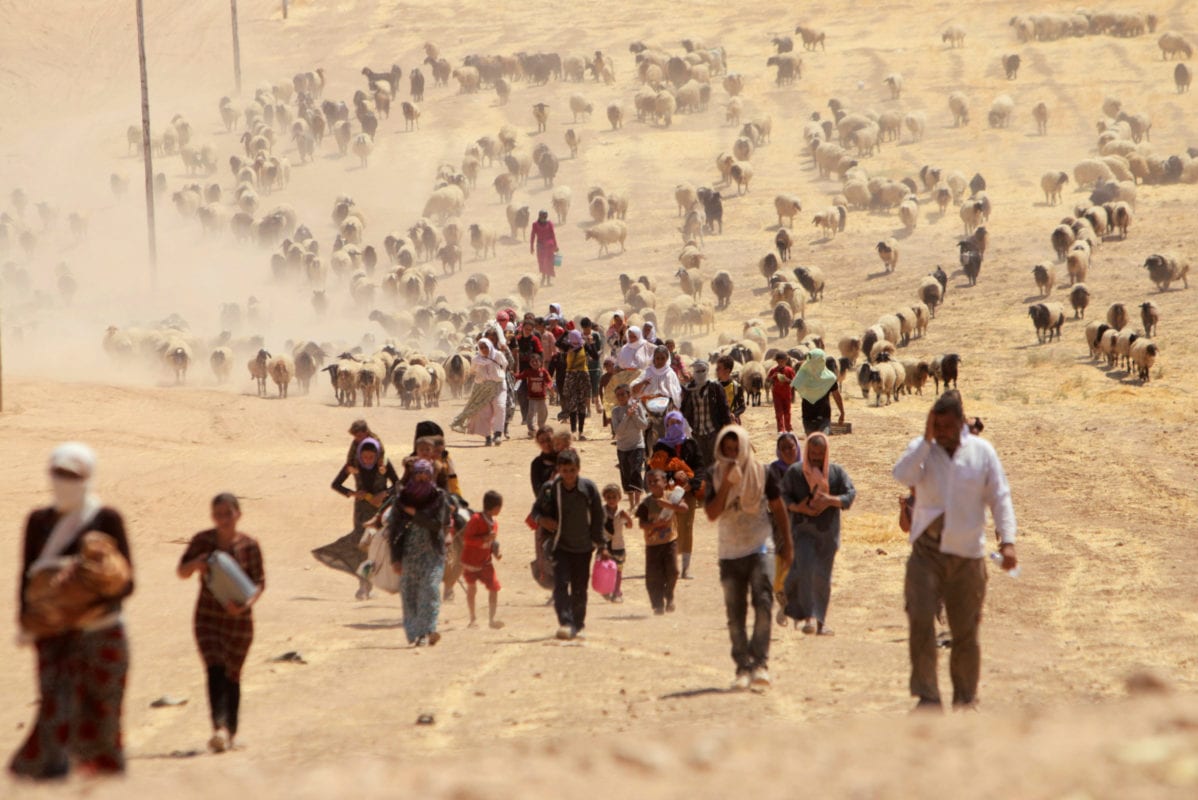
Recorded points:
(603,576)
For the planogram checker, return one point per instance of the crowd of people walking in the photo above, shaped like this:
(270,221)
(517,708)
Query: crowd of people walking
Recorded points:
(679,446)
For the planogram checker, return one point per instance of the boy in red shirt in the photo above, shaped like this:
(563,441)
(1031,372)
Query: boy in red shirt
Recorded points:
(479,547)
(778,380)
(537,382)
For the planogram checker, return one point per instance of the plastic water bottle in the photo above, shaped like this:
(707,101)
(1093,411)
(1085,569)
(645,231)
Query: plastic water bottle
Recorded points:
(997,559)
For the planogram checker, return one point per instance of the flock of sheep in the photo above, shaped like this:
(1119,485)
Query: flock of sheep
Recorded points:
(390,280)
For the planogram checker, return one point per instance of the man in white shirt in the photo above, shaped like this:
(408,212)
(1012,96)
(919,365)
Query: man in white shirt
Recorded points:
(956,477)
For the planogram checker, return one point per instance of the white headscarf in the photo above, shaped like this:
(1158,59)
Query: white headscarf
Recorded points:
(73,499)
(662,380)
(633,355)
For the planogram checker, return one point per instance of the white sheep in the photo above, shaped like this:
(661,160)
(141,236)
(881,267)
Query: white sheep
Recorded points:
(1000,111)
(888,251)
(788,206)
(958,104)
(916,122)
(1051,183)
(909,213)
(1077,262)
(482,239)
(561,203)
(1143,355)
(608,233)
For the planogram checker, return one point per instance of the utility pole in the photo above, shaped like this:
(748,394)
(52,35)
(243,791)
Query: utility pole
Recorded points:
(145,147)
(236,47)
(284,9)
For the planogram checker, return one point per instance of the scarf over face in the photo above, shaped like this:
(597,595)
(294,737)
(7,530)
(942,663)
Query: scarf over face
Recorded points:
(816,474)
(675,429)
(814,379)
(752,484)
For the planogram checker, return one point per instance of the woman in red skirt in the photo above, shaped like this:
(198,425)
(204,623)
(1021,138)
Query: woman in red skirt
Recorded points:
(545,241)
(223,632)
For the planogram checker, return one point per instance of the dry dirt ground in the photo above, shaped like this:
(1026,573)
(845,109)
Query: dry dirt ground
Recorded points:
(1101,467)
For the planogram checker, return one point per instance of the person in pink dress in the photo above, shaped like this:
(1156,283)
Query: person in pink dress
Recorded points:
(545,242)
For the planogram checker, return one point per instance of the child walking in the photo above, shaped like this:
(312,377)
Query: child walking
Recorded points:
(656,517)
(779,379)
(537,383)
(480,545)
(616,521)
(629,421)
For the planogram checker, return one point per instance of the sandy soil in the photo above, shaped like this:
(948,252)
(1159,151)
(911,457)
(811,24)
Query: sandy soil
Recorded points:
(1101,466)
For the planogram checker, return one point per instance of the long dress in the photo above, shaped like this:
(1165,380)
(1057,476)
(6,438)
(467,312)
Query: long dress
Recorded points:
(81,674)
(491,415)
(576,389)
(546,242)
(343,554)
(809,585)
(423,558)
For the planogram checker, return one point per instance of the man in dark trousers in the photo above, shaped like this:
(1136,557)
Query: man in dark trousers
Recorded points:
(705,406)
(571,509)
(956,476)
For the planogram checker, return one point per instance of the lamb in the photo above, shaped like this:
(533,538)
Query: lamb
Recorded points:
(1040,114)
(573,140)
(971,260)
(411,116)
(721,287)
(958,104)
(1143,355)
(1048,318)
(1123,345)
(1051,183)
(1165,269)
(1044,278)
(889,253)
(1149,317)
(1116,316)
(561,203)
(664,106)
(1182,76)
(547,165)
(1077,262)
(811,279)
(617,206)
(1107,345)
(1172,44)
(579,105)
(895,81)
(606,234)
(482,239)
(789,206)
(1079,299)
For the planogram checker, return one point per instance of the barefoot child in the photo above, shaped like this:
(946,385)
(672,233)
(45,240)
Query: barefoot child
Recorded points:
(480,546)
(617,520)
(656,516)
